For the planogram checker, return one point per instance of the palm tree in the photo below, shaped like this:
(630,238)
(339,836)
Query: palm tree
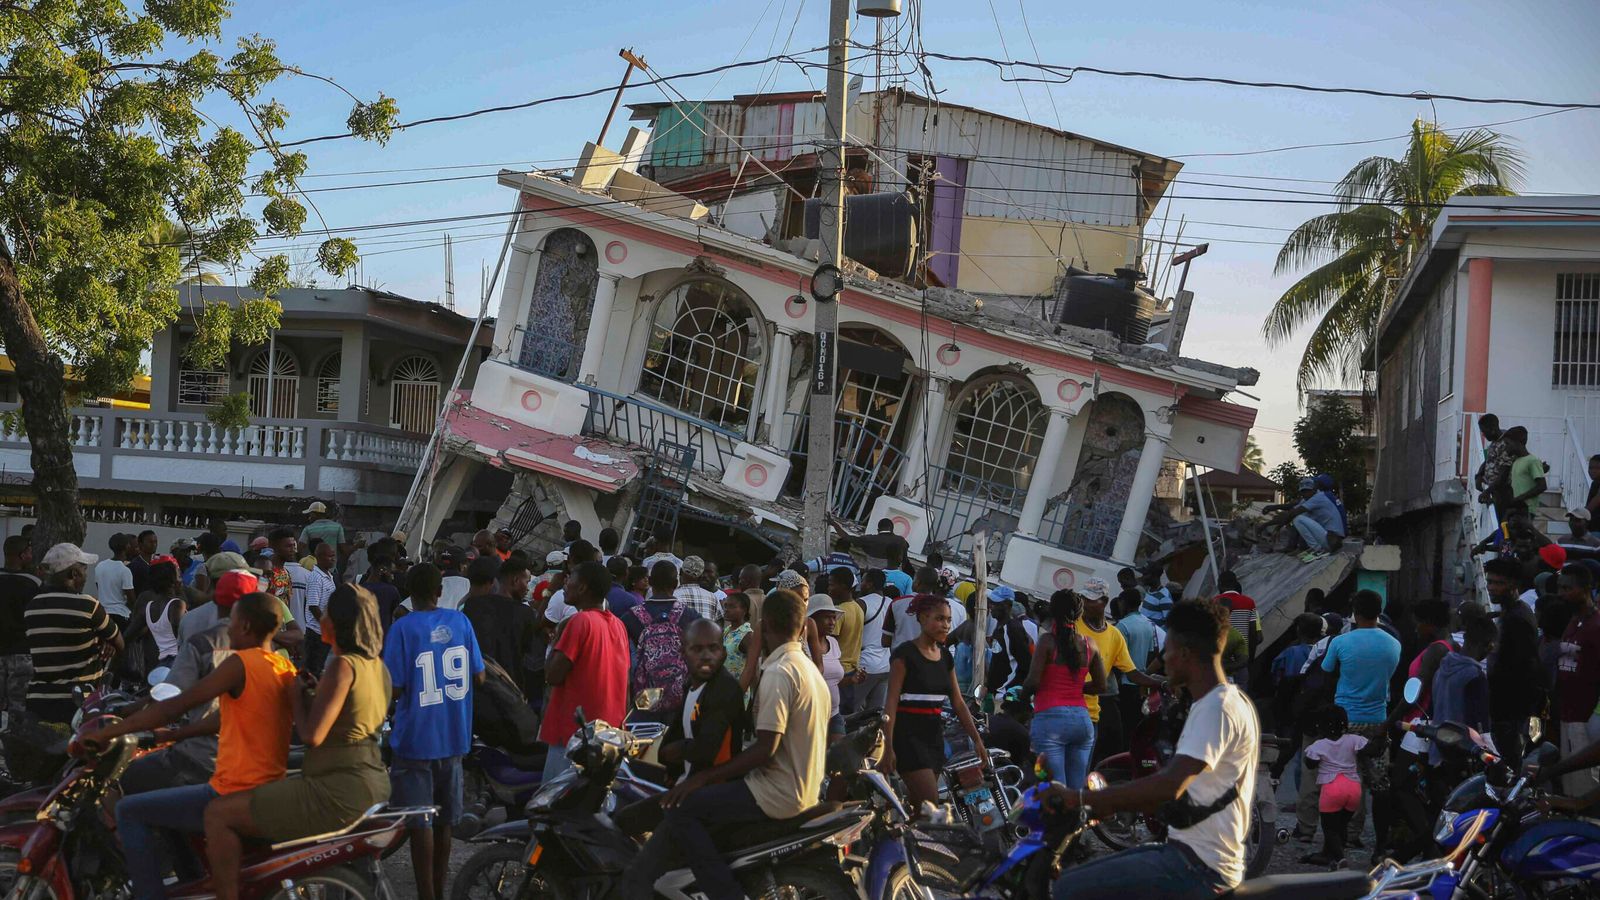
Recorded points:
(1253,458)
(198,266)
(1386,212)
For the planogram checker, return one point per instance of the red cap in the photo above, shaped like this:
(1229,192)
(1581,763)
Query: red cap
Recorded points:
(233,585)
(1554,556)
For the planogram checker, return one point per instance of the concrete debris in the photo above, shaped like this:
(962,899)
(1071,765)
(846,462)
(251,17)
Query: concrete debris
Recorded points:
(601,459)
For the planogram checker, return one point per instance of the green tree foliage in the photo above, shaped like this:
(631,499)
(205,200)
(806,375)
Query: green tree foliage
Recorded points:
(232,412)
(105,142)
(1386,212)
(1254,460)
(1329,442)
(1287,475)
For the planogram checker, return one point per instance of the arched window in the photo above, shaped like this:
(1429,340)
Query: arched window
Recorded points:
(328,384)
(998,429)
(706,347)
(563,299)
(284,380)
(414,394)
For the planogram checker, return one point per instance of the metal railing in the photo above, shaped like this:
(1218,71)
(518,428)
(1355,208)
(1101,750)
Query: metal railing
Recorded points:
(545,354)
(645,423)
(1090,529)
(961,504)
(865,466)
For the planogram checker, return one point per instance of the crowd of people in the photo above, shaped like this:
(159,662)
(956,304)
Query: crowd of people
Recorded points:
(301,635)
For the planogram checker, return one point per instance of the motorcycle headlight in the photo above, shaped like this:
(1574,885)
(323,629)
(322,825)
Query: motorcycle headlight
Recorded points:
(1445,827)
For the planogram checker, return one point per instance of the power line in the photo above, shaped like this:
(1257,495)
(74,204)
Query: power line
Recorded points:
(580,95)
(1065,73)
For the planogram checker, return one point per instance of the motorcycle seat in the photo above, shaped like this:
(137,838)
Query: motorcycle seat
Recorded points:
(532,761)
(737,837)
(1316,886)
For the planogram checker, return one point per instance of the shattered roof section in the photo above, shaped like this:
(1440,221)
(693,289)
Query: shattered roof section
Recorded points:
(501,441)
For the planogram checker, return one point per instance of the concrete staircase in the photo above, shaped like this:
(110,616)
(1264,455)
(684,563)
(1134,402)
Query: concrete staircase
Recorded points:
(1552,516)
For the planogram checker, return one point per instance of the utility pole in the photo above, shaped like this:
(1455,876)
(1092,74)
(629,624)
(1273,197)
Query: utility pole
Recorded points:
(824,344)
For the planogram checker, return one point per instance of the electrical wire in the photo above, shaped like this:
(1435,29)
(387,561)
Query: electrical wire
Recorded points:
(1065,73)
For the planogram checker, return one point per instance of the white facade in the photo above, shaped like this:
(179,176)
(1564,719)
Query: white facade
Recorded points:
(1500,315)
(696,335)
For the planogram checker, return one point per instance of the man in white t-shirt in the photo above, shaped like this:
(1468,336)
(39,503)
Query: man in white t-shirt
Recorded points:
(113,581)
(901,625)
(1205,792)
(873,693)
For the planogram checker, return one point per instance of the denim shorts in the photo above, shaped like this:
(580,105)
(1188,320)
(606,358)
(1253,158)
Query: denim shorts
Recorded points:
(427,782)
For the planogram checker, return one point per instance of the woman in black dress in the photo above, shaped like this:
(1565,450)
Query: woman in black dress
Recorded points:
(922,676)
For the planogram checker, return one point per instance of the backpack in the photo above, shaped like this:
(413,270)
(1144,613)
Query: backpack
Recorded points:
(500,714)
(658,658)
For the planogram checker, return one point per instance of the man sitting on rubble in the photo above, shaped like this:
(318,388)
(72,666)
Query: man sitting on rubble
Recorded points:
(1315,519)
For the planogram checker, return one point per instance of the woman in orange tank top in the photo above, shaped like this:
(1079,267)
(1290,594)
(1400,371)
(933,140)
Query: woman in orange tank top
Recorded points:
(255,687)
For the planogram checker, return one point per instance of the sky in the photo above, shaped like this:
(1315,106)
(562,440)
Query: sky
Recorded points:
(438,59)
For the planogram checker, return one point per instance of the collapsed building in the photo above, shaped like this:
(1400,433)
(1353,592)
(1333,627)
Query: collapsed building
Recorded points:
(654,355)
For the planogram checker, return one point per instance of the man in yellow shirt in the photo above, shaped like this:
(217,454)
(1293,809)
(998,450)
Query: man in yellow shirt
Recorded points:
(1113,648)
(852,618)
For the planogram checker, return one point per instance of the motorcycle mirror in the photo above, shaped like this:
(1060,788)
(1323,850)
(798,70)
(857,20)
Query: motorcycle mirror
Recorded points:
(647,698)
(164,691)
(1413,690)
(157,675)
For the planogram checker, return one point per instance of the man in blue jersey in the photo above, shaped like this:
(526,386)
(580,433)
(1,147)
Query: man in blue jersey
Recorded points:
(433,659)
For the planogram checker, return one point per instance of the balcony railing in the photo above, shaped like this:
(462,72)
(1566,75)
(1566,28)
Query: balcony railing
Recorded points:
(961,504)
(644,424)
(313,444)
(1090,530)
(539,352)
(865,465)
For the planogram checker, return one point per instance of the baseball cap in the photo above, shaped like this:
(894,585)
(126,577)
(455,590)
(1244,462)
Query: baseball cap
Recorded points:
(449,556)
(260,543)
(64,556)
(183,545)
(693,567)
(820,603)
(316,507)
(555,558)
(1554,556)
(1002,594)
(233,585)
(227,561)
(1095,589)
(1579,512)
(1308,484)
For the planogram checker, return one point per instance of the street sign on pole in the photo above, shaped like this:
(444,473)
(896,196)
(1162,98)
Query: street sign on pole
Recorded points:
(823,363)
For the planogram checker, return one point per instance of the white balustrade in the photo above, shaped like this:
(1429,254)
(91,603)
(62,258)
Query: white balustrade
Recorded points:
(345,445)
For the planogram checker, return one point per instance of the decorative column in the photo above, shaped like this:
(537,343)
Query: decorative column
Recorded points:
(354,349)
(1139,496)
(775,391)
(605,296)
(1043,483)
(930,420)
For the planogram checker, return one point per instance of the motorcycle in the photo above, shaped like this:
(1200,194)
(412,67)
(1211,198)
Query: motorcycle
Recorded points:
(982,796)
(70,850)
(1503,845)
(1151,746)
(573,852)
(1034,864)
(495,782)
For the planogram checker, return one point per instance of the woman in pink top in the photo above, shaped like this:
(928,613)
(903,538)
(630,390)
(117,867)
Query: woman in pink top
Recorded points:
(1063,661)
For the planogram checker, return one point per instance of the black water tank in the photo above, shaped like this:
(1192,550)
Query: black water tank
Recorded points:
(1113,303)
(880,231)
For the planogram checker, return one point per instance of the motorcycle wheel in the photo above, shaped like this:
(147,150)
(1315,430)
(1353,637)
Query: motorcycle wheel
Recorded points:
(499,872)
(337,883)
(901,886)
(799,883)
(1261,838)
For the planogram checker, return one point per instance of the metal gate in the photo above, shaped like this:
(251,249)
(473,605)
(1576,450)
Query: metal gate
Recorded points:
(414,395)
(285,396)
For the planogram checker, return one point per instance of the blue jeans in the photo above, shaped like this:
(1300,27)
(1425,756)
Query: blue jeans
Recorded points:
(1312,532)
(142,820)
(685,828)
(1170,871)
(1064,736)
